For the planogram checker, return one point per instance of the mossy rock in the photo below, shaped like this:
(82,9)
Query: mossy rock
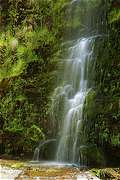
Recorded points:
(13,163)
(107,173)
(90,103)
(93,154)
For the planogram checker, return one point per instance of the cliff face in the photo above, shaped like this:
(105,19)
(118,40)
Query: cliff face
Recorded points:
(30,37)
(103,104)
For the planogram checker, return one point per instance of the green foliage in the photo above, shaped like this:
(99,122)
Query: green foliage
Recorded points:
(90,102)
(114,15)
(35,133)
(102,107)
(30,37)
(115,140)
(104,127)
(93,154)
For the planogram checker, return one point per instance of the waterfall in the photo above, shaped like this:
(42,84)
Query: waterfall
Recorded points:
(77,80)
(73,94)
(36,156)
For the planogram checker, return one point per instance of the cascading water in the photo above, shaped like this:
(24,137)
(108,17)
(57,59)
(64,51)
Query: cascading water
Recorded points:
(69,97)
(36,156)
(73,94)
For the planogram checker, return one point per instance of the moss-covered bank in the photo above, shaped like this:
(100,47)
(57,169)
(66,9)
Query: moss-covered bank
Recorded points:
(30,36)
(102,120)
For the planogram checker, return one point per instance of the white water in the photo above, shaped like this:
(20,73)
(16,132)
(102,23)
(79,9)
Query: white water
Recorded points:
(36,156)
(69,99)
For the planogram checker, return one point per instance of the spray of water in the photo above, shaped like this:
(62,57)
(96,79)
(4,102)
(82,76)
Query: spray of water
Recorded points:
(73,95)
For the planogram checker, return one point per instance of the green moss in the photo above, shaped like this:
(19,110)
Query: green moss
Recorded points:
(114,15)
(30,38)
(115,140)
(35,133)
(90,103)
(93,154)
(101,111)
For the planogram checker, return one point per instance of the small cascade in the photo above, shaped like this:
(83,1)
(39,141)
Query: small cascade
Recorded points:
(36,156)
(69,100)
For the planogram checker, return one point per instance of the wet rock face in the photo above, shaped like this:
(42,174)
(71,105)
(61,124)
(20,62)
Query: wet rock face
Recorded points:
(3,4)
(9,173)
(54,174)
(92,155)
(4,9)
(59,173)
(16,170)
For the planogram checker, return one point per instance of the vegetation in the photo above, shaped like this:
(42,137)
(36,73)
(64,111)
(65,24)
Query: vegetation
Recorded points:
(30,36)
(107,173)
(102,121)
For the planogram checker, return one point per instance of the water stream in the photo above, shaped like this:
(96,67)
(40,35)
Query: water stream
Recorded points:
(70,95)
(36,156)
(73,94)
(76,80)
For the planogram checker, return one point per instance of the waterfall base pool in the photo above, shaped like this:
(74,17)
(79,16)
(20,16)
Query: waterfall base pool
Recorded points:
(42,170)
(55,164)
(56,171)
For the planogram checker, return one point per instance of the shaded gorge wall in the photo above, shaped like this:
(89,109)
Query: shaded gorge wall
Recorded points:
(30,36)
(100,128)
(102,107)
